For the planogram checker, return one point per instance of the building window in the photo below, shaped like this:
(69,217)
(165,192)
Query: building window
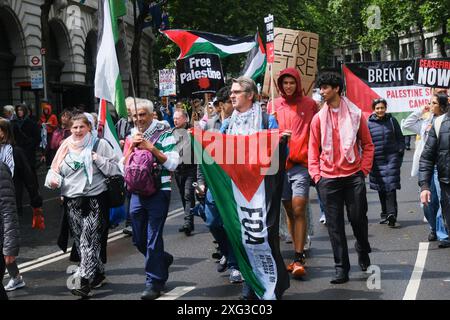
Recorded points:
(404,51)
(357,57)
(377,55)
(348,58)
(411,50)
(367,56)
(337,61)
(429,45)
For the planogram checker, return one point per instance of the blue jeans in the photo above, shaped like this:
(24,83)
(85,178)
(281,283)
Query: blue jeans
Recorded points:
(148,215)
(431,210)
(215,225)
(3,295)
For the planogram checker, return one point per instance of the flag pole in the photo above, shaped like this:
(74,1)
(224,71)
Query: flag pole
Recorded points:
(131,69)
(271,88)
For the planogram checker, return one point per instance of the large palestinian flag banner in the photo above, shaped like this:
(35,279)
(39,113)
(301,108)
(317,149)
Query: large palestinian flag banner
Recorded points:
(390,80)
(192,42)
(246,179)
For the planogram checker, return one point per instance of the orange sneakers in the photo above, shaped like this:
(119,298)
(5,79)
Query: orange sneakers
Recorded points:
(290,266)
(298,269)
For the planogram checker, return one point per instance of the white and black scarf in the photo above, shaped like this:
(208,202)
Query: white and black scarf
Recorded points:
(6,156)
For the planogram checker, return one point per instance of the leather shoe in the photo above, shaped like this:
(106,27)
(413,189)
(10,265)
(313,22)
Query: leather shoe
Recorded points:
(363,261)
(150,294)
(444,244)
(339,277)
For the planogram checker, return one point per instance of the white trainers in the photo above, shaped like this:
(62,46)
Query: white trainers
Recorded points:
(307,244)
(235,276)
(322,219)
(15,283)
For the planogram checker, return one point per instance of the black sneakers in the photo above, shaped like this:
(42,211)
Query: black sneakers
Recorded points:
(84,290)
(150,294)
(392,221)
(432,236)
(187,228)
(98,281)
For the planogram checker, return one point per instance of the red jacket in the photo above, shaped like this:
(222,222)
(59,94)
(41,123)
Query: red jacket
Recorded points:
(319,167)
(294,113)
(50,118)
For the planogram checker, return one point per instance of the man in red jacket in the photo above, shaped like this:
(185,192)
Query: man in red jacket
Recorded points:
(294,113)
(340,156)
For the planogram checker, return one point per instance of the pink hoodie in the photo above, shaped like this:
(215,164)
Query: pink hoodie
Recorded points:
(294,113)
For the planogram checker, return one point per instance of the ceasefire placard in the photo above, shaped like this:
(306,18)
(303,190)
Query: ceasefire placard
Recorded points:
(199,73)
(294,49)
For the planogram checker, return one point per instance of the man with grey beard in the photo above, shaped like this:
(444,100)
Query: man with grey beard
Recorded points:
(186,172)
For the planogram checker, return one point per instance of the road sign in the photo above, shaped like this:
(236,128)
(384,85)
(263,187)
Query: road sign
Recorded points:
(43,51)
(37,82)
(35,61)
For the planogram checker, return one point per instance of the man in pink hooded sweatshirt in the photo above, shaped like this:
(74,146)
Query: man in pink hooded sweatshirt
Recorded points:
(340,156)
(294,113)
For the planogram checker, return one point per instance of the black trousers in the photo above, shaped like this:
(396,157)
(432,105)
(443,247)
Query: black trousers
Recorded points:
(388,202)
(3,295)
(350,192)
(187,192)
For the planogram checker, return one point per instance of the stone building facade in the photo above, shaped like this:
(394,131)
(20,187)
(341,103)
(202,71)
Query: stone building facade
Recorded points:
(73,44)
(409,48)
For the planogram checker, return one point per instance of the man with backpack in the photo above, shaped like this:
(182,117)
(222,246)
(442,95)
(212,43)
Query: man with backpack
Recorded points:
(150,156)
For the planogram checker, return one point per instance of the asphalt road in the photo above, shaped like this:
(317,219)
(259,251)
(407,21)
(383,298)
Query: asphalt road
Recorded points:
(400,269)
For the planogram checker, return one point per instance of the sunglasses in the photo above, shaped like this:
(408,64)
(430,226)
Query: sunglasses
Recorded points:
(380,100)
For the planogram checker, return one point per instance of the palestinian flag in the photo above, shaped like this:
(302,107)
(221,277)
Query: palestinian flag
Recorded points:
(108,131)
(246,181)
(255,65)
(108,83)
(191,42)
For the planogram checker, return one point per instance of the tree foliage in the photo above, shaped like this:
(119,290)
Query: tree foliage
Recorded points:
(239,18)
(339,23)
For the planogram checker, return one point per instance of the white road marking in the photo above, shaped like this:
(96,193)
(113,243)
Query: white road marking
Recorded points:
(414,281)
(44,201)
(35,266)
(56,256)
(175,293)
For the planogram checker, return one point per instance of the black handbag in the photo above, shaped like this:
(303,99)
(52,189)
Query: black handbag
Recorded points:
(116,191)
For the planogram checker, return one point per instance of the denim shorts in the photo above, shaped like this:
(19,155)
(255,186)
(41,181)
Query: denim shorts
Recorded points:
(296,183)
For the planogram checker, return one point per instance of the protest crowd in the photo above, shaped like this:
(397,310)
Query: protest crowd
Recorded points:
(331,147)
(122,167)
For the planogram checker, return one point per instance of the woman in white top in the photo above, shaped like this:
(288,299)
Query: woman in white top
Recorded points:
(80,173)
(420,122)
